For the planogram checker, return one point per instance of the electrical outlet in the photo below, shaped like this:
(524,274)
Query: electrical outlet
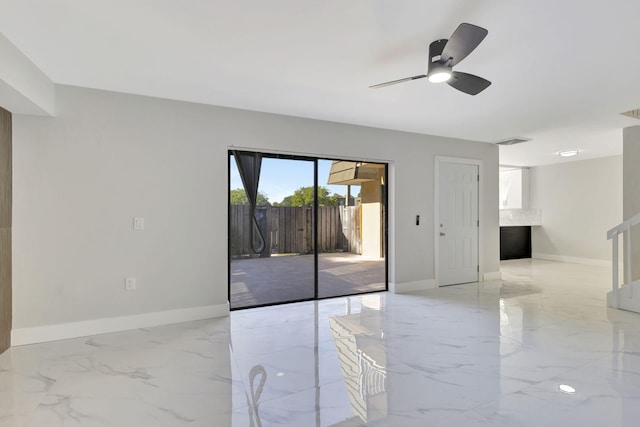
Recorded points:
(138,223)
(130,284)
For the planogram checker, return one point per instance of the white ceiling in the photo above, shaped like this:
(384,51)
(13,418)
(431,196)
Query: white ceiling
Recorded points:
(562,71)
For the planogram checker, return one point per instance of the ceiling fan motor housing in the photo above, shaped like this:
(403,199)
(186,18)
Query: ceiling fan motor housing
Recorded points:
(436,61)
(439,68)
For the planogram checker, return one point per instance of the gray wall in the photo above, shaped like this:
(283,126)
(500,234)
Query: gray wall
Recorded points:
(580,201)
(81,177)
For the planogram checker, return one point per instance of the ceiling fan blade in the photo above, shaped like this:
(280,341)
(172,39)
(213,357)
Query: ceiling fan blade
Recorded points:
(393,82)
(468,83)
(463,41)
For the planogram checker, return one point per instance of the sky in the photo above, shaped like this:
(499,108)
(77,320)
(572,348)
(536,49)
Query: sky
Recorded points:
(280,178)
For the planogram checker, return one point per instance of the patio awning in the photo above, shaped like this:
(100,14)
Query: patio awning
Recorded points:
(353,173)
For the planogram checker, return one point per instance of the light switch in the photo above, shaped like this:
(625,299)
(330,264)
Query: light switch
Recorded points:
(130,284)
(138,223)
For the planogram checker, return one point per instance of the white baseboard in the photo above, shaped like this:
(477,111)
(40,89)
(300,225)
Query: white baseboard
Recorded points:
(492,275)
(418,285)
(62,331)
(570,259)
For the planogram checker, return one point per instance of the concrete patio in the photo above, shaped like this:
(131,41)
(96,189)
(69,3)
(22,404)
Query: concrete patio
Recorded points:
(260,281)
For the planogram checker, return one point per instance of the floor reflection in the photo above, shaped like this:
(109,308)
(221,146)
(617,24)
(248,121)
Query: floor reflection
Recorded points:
(254,393)
(359,342)
(470,355)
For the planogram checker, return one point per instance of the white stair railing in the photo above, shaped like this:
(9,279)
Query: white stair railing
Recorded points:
(625,229)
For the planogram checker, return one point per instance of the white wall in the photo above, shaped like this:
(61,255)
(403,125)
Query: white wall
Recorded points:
(81,177)
(631,184)
(580,201)
(24,88)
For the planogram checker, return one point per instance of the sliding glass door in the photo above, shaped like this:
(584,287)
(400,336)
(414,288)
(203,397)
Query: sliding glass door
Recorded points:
(351,231)
(271,242)
(303,228)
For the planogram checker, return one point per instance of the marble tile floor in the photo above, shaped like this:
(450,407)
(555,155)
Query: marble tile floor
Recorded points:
(488,354)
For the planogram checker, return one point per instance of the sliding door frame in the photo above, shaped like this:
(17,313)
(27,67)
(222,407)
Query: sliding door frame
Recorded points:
(384,225)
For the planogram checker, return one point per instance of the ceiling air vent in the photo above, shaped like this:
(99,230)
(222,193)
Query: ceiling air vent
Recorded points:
(634,114)
(514,141)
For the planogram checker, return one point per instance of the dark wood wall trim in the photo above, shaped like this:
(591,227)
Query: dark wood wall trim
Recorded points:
(5,230)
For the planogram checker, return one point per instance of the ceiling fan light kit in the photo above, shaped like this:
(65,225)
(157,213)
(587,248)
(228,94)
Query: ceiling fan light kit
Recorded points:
(439,76)
(438,71)
(445,54)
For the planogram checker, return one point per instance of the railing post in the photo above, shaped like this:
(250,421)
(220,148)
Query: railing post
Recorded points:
(624,228)
(627,255)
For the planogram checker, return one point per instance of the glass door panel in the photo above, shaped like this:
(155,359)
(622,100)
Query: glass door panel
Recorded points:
(351,228)
(272,258)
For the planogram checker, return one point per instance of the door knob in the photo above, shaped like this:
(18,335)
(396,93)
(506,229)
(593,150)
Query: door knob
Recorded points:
(441,233)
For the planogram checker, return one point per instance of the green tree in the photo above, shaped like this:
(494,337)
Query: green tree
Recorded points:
(303,196)
(239,197)
(333,200)
(286,201)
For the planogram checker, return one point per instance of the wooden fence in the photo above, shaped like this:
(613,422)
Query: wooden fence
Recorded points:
(290,229)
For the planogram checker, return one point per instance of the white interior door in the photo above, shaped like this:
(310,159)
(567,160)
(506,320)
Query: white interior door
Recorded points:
(458,223)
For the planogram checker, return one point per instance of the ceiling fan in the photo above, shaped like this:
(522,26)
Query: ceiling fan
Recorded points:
(444,54)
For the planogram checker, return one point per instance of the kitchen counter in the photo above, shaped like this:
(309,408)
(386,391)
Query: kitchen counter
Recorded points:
(520,217)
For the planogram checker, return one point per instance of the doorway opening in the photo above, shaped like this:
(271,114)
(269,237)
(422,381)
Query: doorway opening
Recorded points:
(303,228)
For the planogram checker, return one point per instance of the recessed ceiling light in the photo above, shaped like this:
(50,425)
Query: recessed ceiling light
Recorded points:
(568,153)
(566,389)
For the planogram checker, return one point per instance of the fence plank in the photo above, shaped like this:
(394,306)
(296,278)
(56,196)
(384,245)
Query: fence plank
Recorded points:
(327,228)
(345,229)
(334,228)
(290,229)
(285,223)
(310,231)
(320,229)
(299,229)
(273,229)
(291,226)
